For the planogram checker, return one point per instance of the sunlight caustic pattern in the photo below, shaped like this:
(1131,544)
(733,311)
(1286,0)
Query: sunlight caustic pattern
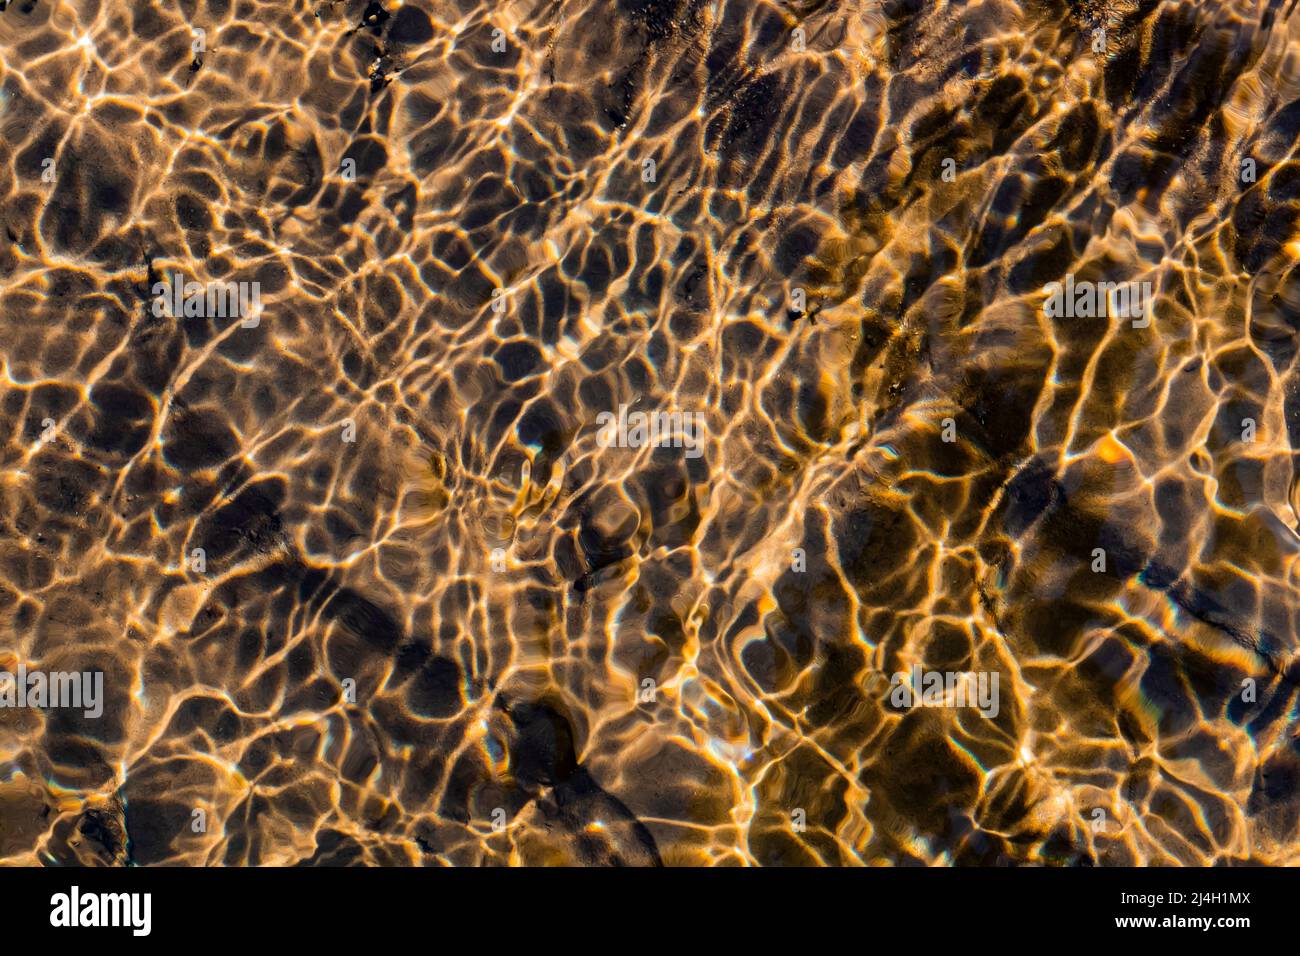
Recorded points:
(604,401)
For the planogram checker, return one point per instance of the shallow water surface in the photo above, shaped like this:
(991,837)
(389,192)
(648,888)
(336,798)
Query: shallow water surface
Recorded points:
(650,431)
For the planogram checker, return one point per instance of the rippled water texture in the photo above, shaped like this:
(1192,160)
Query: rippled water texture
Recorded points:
(366,581)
